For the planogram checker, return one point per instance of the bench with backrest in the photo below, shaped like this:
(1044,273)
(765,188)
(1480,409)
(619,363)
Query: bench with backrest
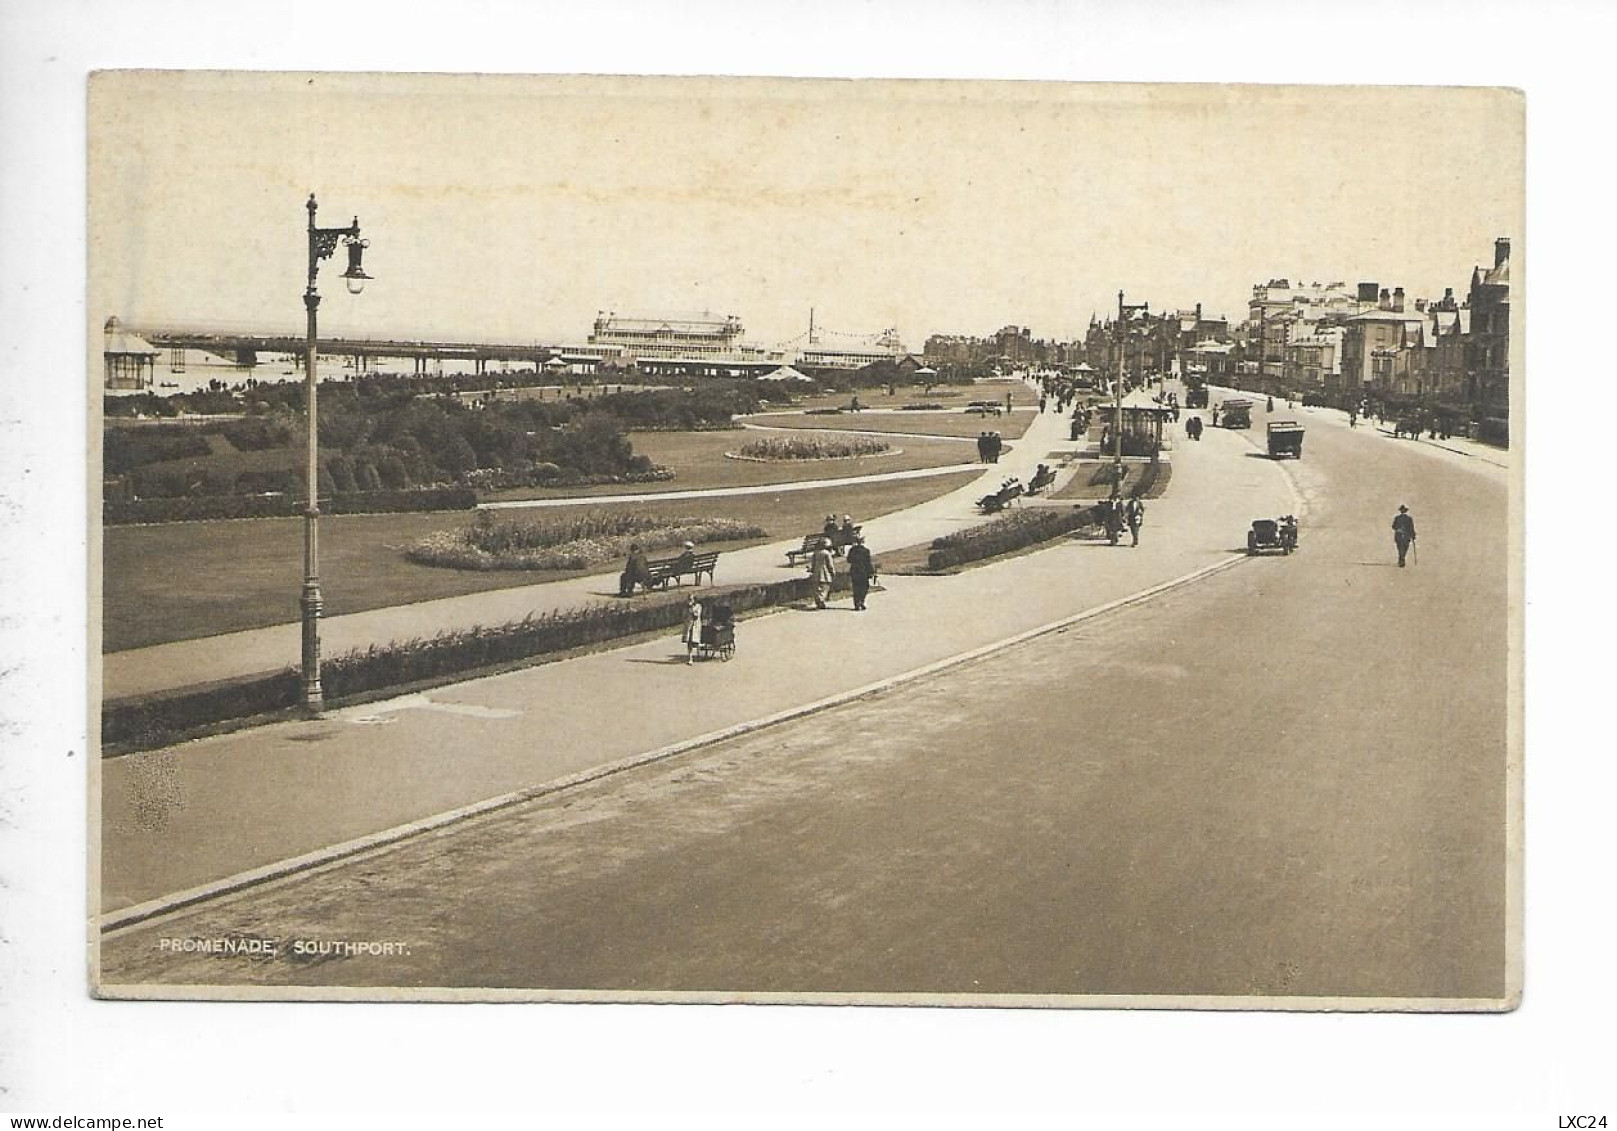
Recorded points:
(1042,479)
(663,570)
(1008,493)
(810,541)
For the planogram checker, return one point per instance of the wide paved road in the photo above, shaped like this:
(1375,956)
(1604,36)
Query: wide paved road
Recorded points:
(1288,778)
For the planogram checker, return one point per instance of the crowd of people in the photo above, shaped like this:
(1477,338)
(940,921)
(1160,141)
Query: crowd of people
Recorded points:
(989,446)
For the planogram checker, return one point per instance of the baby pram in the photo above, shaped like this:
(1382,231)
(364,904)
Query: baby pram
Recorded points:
(718,633)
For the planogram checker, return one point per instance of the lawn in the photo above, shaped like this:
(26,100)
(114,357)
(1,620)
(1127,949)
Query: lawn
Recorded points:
(1092,480)
(179,581)
(955,395)
(949,423)
(699,463)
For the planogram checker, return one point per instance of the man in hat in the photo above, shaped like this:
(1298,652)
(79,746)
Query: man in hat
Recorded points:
(637,571)
(1403,533)
(1134,515)
(861,571)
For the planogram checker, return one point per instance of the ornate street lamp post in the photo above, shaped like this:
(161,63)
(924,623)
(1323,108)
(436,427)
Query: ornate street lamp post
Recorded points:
(322,242)
(1123,311)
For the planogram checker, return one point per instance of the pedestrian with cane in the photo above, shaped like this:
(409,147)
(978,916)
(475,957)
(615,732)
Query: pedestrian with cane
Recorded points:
(1403,534)
(861,571)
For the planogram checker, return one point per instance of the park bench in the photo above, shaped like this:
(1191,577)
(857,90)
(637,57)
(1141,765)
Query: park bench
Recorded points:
(812,540)
(1008,493)
(664,570)
(1042,479)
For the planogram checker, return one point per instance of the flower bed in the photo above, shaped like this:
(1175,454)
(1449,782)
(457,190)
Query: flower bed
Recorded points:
(805,449)
(569,543)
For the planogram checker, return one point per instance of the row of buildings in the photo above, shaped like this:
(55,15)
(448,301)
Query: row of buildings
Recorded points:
(1338,343)
(1448,355)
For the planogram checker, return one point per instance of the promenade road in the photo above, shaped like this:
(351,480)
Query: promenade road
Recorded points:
(203,811)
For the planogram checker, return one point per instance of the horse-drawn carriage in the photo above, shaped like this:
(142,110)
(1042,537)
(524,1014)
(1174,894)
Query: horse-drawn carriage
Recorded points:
(1272,534)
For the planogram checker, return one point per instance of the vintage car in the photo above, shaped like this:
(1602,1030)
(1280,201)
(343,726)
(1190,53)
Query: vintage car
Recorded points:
(1235,414)
(1285,439)
(1272,534)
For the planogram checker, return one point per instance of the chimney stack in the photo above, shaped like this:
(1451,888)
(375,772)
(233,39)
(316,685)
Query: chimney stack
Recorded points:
(1385,301)
(1501,251)
(1420,306)
(1398,300)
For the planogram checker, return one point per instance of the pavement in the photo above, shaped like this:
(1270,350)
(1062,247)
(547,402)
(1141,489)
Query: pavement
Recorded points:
(1488,454)
(188,663)
(216,813)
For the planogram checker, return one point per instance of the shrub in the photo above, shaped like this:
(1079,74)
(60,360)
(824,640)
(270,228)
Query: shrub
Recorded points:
(812,448)
(928,406)
(1009,532)
(258,433)
(452,653)
(822,411)
(570,543)
(151,720)
(125,449)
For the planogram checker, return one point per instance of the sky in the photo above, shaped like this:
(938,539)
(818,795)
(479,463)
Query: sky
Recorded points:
(505,207)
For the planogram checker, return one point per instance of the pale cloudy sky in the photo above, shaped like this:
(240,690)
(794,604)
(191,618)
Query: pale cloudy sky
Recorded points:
(516,207)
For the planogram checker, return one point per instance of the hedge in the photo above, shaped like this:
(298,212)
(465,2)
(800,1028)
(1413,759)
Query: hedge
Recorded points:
(153,720)
(117,512)
(1011,532)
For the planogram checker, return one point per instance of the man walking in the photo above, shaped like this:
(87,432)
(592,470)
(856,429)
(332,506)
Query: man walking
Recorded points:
(823,571)
(1134,514)
(1403,533)
(861,571)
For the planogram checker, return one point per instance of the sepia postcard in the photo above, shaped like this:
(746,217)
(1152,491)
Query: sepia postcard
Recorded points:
(805,541)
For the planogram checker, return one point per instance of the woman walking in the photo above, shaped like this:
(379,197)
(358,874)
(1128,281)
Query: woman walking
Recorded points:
(693,628)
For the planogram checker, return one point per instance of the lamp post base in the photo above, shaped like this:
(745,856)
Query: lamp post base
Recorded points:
(313,698)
